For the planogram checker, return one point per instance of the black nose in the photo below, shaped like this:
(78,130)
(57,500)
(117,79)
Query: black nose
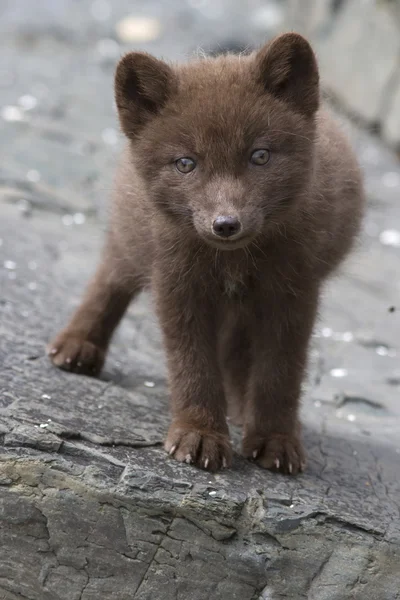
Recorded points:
(226,226)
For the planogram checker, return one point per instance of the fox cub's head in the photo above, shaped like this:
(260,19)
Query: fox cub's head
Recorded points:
(225,145)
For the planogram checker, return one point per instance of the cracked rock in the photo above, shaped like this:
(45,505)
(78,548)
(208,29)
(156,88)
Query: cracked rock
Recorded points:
(90,505)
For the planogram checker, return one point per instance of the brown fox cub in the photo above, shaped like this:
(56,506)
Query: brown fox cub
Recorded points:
(235,197)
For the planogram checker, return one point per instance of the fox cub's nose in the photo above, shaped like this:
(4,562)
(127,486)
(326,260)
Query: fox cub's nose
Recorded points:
(226,226)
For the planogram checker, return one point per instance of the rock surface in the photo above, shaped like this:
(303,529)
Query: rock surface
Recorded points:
(358,45)
(90,505)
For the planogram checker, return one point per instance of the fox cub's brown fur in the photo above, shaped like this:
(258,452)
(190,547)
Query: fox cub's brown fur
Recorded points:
(236,196)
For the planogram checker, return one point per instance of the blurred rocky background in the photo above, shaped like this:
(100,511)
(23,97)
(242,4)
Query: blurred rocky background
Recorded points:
(358,47)
(90,507)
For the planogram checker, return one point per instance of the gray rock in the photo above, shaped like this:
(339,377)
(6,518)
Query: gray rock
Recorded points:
(358,47)
(391,121)
(90,506)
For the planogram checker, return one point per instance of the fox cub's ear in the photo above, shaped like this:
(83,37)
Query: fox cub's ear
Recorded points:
(142,86)
(287,69)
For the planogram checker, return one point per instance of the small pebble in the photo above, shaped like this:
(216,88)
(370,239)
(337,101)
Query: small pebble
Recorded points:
(138,29)
(338,372)
(212,493)
(12,113)
(149,384)
(43,425)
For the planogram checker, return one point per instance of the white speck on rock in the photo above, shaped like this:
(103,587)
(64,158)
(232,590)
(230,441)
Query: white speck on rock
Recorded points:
(43,425)
(149,384)
(109,136)
(27,102)
(346,336)
(338,372)
(351,417)
(382,350)
(212,493)
(317,403)
(33,175)
(10,264)
(326,332)
(138,29)
(12,113)
(67,220)
(24,206)
(267,17)
(79,218)
(390,237)
(46,397)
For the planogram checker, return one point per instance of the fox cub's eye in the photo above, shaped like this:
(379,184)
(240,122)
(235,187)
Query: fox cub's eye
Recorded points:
(260,157)
(185,165)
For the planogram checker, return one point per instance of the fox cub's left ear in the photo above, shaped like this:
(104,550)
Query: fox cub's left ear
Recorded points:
(143,85)
(287,69)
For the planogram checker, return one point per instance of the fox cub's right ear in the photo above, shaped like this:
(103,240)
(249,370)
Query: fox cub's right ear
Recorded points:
(143,85)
